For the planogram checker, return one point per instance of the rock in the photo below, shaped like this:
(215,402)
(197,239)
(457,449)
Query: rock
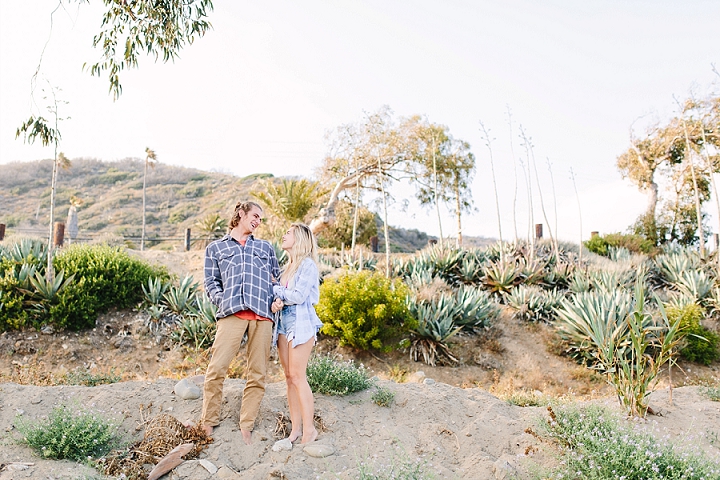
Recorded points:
(190,469)
(198,380)
(505,467)
(227,473)
(209,466)
(187,390)
(47,330)
(318,450)
(170,461)
(123,343)
(282,445)
(416,377)
(486,361)
(429,381)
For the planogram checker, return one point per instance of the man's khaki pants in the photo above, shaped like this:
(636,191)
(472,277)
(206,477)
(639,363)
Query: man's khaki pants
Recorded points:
(230,331)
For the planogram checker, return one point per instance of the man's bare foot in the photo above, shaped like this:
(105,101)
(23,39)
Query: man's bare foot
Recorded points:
(294,436)
(309,437)
(247,436)
(208,429)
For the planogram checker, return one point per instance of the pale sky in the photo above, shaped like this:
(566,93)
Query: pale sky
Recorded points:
(258,93)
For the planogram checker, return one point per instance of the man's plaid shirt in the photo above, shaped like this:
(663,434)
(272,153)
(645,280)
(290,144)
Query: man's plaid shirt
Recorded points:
(240,278)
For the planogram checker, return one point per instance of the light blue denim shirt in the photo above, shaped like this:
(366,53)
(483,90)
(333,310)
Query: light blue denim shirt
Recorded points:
(303,290)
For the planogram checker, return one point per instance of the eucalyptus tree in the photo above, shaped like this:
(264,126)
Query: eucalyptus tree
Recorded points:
(442,170)
(669,151)
(150,159)
(130,29)
(369,154)
(37,127)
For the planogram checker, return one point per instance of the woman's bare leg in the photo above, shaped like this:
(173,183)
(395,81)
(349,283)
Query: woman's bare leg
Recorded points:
(293,400)
(298,359)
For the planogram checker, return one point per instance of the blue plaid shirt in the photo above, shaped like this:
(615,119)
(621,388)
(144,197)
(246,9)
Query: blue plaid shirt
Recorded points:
(241,278)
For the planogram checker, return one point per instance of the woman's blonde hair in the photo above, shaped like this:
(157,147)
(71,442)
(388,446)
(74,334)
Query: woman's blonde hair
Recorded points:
(305,246)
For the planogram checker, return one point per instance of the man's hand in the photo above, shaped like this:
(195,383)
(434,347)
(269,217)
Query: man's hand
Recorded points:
(277,305)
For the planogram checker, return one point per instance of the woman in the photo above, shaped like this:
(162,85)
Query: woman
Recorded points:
(297,329)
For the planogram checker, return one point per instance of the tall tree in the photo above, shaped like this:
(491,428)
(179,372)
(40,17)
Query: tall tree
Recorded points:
(150,159)
(157,28)
(667,151)
(37,127)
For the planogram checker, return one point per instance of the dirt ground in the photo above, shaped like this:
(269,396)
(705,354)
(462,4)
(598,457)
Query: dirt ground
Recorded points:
(458,421)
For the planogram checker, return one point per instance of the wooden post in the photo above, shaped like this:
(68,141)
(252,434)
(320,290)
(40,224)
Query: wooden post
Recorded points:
(538,231)
(58,234)
(374,242)
(187,239)
(2,231)
(716,239)
(594,234)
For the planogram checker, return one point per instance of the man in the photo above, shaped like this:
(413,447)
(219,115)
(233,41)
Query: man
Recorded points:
(239,271)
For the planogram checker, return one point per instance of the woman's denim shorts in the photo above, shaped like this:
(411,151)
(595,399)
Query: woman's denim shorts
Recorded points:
(286,326)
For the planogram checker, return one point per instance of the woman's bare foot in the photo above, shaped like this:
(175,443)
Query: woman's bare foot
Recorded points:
(309,437)
(208,429)
(247,436)
(294,436)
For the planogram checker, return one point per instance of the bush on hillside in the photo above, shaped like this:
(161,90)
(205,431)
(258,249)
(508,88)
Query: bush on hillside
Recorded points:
(700,344)
(363,309)
(105,277)
(601,244)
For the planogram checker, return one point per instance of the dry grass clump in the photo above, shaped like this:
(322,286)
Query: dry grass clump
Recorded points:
(162,434)
(283,425)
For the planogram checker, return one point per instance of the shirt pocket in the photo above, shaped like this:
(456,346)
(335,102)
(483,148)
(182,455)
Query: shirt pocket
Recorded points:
(261,266)
(228,262)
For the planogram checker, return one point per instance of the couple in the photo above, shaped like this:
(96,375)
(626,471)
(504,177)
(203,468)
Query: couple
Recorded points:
(243,279)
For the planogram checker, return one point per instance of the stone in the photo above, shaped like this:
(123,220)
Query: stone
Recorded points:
(505,468)
(209,466)
(170,461)
(318,450)
(429,381)
(187,390)
(416,377)
(284,445)
(227,473)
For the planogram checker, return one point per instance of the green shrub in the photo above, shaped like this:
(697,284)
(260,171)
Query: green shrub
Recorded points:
(329,376)
(363,309)
(105,277)
(598,445)
(713,393)
(383,397)
(72,433)
(12,314)
(633,243)
(700,344)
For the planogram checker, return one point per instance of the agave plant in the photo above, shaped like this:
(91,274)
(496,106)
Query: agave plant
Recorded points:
(470,271)
(579,282)
(446,262)
(558,276)
(532,304)
(695,284)
(501,277)
(47,290)
(27,251)
(610,280)
(531,271)
(435,326)
(199,328)
(593,318)
(473,309)
(671,266)
(179,300)
(154,291)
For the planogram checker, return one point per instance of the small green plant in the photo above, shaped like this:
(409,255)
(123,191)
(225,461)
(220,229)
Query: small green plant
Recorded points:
(70,432)
(330,376)
(363,309)
(435,326)
(597,445)
(154,291)
(88,379)
(400,467)
(713,393)
(383,397)
(179,300)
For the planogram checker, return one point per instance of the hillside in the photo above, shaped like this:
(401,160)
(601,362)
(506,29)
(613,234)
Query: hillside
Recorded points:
(108,197)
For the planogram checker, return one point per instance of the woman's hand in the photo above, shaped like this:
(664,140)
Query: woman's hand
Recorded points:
(277,305)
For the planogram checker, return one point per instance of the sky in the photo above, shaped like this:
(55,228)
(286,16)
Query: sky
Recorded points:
(261,90)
